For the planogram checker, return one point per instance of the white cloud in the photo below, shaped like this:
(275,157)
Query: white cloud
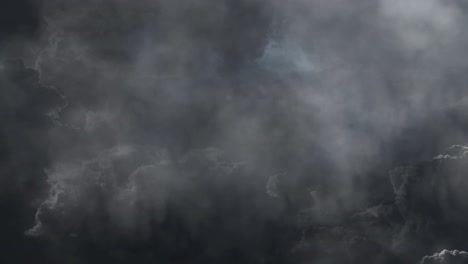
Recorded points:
(446,257)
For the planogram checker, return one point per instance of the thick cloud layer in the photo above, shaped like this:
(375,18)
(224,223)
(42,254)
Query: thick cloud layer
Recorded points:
(235,131)
(27,111)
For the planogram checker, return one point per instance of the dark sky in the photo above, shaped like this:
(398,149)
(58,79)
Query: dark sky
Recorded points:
(19,19)
(246,131)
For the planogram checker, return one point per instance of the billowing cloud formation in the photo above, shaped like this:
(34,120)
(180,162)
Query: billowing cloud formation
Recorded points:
(242,131)
(426,212)
(446,257)
(28,109)
(143,196)
(75,188)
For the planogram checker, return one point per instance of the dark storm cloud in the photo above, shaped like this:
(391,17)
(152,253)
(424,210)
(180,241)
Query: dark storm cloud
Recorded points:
(431,197)
(20,23)
(179,115)
(27,108)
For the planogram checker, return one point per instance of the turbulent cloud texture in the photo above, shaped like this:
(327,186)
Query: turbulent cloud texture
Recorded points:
(446,256)
(247,131)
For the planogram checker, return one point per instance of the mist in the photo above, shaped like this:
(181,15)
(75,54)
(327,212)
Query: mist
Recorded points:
(246,131)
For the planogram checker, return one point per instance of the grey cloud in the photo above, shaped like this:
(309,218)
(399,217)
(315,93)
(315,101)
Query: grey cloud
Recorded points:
(326,96)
